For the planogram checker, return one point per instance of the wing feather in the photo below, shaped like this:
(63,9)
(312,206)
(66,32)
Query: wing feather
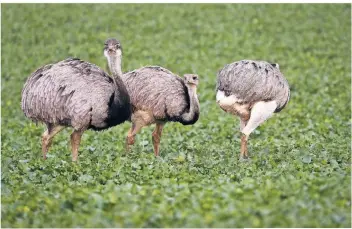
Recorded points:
(158,90)
(68,92)
(252,81)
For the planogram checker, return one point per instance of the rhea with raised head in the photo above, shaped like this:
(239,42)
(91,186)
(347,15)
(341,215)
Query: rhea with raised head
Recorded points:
(75,93)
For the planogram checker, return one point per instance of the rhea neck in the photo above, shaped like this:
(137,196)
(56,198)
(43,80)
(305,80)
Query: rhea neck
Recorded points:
(192,88)
(192,115)
(192,92)
(114,62)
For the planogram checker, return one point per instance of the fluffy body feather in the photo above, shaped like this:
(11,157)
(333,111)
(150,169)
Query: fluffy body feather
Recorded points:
(157,96)
(252,90)
(252,81)
(75,93)
(161,93)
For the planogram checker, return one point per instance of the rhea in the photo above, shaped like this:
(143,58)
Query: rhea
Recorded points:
(252,90)
(75,93)
(159,96)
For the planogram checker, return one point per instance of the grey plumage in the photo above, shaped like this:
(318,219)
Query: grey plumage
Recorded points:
(78,94)
(160,91)
(252,81)
(157,96)
(74,93)
(252,90)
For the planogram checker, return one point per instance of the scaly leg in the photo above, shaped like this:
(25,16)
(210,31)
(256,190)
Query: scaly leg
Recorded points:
(259,113)
(156,137)
(136,127)
(127,146)
(48,136)
(244,151)
(75,141)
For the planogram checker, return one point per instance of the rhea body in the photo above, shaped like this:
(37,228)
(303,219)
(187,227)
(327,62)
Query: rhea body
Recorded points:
(159,96)
(252,90)
(75,93)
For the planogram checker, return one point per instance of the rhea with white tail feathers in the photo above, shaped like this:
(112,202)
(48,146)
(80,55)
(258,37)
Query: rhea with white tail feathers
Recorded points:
(252,90)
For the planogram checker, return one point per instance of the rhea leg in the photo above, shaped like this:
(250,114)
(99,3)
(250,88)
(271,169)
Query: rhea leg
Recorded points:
(139,119)
(48,136)
(231,104)
(75,141)
(156,137)
(242,110)
(130,139)
(260,112)
(127,140)
(244,150)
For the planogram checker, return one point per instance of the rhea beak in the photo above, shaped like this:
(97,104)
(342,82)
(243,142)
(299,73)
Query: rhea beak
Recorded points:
(111,50)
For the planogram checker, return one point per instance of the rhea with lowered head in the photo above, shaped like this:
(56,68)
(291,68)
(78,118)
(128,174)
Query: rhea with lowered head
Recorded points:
(159,96)
(75,93)
(252,90)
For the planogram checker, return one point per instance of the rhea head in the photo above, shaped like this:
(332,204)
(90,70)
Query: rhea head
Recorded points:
(191,79)
(112,48)
(113,52)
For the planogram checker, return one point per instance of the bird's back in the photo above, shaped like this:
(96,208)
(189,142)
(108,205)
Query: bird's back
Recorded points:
(158,90)
(71,92)
(252,81)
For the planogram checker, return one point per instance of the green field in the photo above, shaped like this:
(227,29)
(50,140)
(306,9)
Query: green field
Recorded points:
(299,174)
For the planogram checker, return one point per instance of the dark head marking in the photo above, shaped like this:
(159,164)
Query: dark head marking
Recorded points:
(275,65)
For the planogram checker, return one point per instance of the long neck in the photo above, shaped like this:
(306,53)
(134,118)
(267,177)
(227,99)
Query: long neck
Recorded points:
(192,115)
(114,63)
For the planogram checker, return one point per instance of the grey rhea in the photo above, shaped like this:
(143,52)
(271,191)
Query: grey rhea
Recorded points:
(252,90)
(158,96)
(78,94)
